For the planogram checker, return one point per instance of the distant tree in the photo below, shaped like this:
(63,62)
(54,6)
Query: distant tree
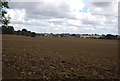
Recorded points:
(10,30)
(103,35)
(24,30)
(77,35)
(33,34)
(110,36)
(7,30)
(28,33)
(0,30)
(18,32)
(73,34)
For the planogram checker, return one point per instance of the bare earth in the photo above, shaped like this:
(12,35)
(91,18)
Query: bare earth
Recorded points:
(59,58)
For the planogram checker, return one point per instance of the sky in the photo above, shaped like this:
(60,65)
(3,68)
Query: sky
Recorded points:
(65,16)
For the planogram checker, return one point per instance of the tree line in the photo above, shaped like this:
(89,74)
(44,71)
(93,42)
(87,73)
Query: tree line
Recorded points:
(25,32)
(88,36)
(110,36)
(10,30)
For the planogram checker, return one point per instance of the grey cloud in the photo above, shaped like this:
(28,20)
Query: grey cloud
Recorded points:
(109,8)
(87,22)
(22,5)
(41,9)
(105,8)
(56,22)
(101,4)
(119,8)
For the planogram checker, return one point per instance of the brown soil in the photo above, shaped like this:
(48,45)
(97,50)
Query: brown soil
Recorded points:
(59,58)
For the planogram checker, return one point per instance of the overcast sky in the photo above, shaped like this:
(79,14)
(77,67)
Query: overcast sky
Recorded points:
(65,16)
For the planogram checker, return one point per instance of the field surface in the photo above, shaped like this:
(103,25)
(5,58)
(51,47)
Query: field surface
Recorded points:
(58,58)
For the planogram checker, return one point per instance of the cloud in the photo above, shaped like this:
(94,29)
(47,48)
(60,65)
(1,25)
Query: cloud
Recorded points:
(65,16)
(106,7)
(50,8)
(101,4)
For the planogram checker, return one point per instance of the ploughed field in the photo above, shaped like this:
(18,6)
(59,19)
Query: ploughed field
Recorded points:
(58,58)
